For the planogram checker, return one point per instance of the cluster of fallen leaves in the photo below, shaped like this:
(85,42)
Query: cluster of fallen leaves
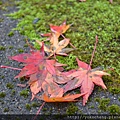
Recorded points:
(44,74)
(57,47)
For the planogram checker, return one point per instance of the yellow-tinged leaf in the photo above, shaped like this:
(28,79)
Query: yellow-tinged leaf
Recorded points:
(99,73)
(34,89)
(62,44)
(67,98)
(46,49)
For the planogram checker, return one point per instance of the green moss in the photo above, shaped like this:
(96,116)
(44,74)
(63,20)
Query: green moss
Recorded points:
(7,63)
(22,79)
(92,106)
(2,102)
(1,3)
(34,104)
(114,90)
(2,94)
(28,106)
(114,109)
(89,18)
(2,47)
(25,45)
(72,109)
(20,50)
(99,111)
(10,86)
(10,47)
(77,91)
(119,98)
(80,112)
(70,61)
(11,33)
(5,4)
(2,76)
(97,99)
(57,116)
(44,109)
(13,92)
(6,110)
(4,8)
(1,20)
(103,103)
(42,118)
(24,93)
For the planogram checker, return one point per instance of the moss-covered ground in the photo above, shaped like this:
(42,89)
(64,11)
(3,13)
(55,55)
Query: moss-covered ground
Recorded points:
(90,18)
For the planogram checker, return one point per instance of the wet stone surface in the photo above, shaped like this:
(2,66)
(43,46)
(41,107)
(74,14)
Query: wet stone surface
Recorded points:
(13,102)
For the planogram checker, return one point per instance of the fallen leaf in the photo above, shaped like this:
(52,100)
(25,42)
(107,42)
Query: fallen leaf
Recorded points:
(67,98)
(35,88)
(111,1)
(57,47)
(51,88)
(39,69)
(82,0)
(57,30)
(85,79)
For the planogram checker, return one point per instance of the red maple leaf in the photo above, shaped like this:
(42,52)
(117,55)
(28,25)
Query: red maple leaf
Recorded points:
(56,46)
(85,78)
(41,71)
(57,30)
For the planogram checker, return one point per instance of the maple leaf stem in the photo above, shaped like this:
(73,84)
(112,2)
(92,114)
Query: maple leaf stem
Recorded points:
(30,45)
(72,45)
(39,110)
(62,36)
(69,43)
(108,69)
(55,57)
(2,66)
(93,52)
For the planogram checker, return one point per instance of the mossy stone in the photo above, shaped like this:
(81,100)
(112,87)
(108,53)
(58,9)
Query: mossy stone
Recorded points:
(103,103)
(24,93)
(11,33)
(10,86)
(6,110)
(28,106)
(72,109)
(114,109)
(2,94)
(2,48)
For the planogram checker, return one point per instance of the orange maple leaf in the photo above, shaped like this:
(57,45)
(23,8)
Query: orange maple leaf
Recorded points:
(85,79)
(57,30)
(67,98)
(51,88)
(56,47)
(35,88)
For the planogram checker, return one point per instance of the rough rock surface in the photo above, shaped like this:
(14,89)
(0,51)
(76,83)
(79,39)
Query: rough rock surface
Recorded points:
(16,104)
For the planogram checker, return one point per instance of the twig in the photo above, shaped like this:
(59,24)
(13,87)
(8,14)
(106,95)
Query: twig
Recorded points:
(69,43)
(39,111)
(72,45)
(2,66)
(93,52)
(29,44)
